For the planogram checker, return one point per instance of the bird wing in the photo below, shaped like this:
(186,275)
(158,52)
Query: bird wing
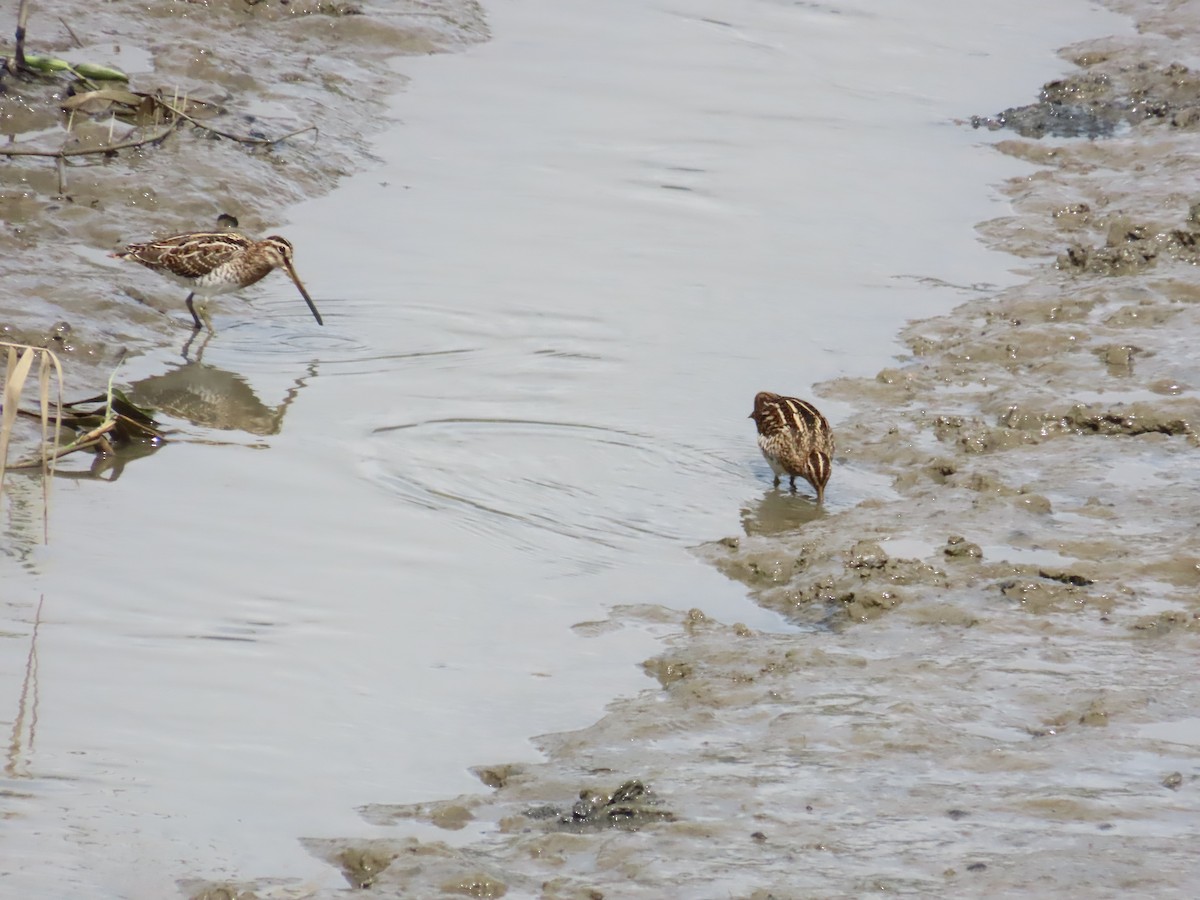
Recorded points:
(189,255)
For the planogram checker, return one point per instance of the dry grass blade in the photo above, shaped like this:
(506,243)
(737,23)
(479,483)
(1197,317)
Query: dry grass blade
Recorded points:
(15,372)
(48,459)
(117,421)
(19,364)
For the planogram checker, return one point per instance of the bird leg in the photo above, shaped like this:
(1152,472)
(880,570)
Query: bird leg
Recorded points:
(192,310)
(196,319)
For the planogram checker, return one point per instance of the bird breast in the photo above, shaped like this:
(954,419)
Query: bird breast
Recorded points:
(232,276)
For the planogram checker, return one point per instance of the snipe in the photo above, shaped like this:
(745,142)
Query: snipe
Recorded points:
(218,262)
(795,439)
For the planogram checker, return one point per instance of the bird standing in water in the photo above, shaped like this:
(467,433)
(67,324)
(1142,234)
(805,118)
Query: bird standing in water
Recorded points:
(795,439)
(212,263)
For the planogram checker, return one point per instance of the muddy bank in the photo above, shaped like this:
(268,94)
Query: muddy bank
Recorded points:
(266,69)
(990,687)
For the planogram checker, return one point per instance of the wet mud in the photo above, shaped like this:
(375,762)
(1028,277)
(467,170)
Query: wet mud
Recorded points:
(989,687)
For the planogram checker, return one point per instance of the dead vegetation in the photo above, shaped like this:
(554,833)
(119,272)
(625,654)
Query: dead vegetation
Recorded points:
(99,424)
(120,119)
(19,365)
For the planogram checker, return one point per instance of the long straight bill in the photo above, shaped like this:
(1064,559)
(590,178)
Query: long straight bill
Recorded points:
(303,293)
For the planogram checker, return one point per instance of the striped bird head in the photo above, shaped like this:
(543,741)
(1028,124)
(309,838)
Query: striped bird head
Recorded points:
(762,402)
(278,252)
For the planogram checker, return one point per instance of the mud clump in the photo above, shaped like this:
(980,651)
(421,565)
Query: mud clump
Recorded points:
(667,671)
(958,547)
(1108,97)
(1173,420)
(476,885)
(362,865)
(1134,421)
(497,776)
(391,868)
(825,586)
(629,807)
(1167,622)
(222,892)
(1130,248)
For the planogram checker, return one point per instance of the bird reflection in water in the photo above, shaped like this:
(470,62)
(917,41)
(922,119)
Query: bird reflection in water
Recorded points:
(778,512)
(215,398)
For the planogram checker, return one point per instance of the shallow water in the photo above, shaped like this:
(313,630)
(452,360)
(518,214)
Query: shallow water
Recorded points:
(586,245)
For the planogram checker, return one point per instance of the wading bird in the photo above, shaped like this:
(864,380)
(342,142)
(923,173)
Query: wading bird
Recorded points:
(795,439)
(212,263)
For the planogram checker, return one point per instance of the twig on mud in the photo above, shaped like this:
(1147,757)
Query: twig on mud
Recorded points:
(74,37)
(90,151)
(241,139)
(154,139)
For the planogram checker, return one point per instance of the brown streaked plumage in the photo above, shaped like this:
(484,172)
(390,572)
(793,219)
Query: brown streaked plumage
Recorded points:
(795,439)
(212,263)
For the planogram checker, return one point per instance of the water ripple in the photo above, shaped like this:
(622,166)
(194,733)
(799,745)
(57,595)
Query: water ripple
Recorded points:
(539,483)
